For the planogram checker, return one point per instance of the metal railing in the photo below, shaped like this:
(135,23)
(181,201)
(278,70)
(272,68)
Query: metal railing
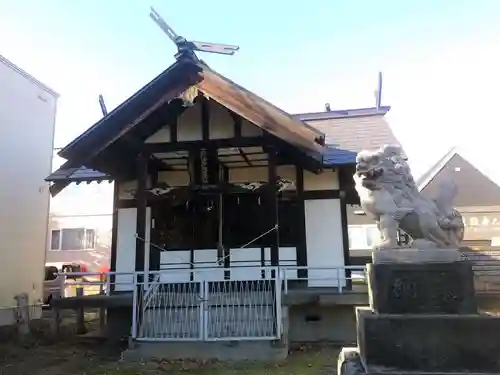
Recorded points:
(92,283)
(486,278)
(338,278)
(208,310)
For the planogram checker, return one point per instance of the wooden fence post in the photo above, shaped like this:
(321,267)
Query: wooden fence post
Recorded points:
(80,313)
(55,322)
(102,309)
(22,315)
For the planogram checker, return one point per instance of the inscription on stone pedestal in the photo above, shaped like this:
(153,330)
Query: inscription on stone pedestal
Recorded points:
(445,288)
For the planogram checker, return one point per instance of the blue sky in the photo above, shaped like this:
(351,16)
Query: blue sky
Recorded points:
(440,59)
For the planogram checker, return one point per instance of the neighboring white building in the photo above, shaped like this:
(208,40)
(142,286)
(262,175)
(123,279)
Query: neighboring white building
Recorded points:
(27,122)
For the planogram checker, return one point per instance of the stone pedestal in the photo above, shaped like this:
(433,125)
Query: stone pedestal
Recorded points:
(422,319)
(419,288)
(413,256)
(428,342)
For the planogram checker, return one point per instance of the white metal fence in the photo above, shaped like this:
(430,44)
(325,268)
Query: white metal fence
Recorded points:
(207,310)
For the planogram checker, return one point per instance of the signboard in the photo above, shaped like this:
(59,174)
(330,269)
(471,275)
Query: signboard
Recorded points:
(481,225)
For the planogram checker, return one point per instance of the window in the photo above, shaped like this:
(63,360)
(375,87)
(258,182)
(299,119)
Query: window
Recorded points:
(55,241)
(363,237)
(72,239)
(372,236)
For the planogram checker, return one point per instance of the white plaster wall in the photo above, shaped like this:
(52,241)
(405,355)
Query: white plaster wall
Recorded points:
(324,242)
(125,248)
(27,119)
(327,180)
(189,125)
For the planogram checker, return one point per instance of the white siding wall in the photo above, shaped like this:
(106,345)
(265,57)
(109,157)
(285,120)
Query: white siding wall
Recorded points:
(27,118)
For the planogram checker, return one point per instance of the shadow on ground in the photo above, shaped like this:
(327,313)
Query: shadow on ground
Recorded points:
(39,354)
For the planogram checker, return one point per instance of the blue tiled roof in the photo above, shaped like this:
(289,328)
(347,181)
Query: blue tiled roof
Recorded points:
(337,156)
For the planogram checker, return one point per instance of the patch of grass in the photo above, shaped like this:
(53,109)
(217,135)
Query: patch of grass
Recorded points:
(305,361)
(76,359)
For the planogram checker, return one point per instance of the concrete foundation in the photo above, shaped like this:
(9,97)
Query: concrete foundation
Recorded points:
(315,323)
(119,323)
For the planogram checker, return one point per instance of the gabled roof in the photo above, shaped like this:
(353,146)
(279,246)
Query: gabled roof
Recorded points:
(182,75)
(427,177)
(475,189)
(353,129)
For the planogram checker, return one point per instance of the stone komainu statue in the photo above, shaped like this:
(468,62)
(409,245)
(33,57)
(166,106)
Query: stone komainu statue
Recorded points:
(389,194)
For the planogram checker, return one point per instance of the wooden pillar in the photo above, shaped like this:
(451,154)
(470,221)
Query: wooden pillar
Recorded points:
(301,223)
(226,233)
(344,179)
(142,180)
(114,236)
(272,205)
(154,252)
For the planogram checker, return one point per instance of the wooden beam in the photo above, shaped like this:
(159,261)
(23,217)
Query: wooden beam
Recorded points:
(173,127)
(142,178)
(194,167)
(205,118)
(272,202)
(245,157)
(344,178)
(237,123)
(212,166)
(163,147)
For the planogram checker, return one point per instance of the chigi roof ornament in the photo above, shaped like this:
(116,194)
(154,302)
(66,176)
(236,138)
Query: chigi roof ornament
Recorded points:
(187,48)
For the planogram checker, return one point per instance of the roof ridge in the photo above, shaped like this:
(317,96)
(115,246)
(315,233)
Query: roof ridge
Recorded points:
(432,172)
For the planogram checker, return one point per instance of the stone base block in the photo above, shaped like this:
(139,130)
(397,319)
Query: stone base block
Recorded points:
(350,363)
(425,288)
(415,256)
(428,343)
